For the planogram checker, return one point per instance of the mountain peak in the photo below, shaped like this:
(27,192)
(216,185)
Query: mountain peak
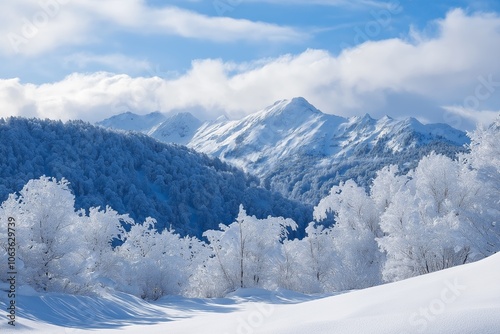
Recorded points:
(296,107)
(184,115)
(130,121)
(367,116)
(299,100)
(414,124)
(386,118)
(178,128)
(364,120)
(300,103)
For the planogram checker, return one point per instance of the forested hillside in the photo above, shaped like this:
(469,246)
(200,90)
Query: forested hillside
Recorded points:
(134,174)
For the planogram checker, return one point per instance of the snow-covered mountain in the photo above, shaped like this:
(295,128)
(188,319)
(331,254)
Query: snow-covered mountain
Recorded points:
(258,142)
(133,122)
(302,152)
(177,128)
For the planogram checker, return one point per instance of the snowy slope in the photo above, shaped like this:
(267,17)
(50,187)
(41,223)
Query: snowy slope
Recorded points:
(132,122)
(176,128)
(179,128)
(464,299)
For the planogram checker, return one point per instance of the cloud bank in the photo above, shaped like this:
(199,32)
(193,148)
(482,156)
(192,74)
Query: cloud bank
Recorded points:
(32,28)
(451,76)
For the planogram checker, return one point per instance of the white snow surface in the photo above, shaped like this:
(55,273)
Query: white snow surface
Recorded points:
(464,299)
(178,128)
(129,121)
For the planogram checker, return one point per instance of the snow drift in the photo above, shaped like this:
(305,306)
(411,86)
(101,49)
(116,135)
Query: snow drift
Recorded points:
(463,299)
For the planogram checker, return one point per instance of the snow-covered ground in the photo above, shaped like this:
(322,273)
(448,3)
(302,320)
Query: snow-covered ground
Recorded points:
(464,299)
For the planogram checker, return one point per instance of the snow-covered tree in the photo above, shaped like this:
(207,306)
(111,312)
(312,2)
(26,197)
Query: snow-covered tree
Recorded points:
(387,183)
(356,227)
(484,158)
(243,254)
(155,264)
(428,225)
(48,245)
(97,231)
(307,264)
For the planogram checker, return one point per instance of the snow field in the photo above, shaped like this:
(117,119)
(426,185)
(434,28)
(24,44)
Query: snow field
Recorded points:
(463,299)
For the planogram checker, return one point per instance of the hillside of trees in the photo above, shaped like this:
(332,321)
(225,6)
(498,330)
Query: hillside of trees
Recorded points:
(134,174)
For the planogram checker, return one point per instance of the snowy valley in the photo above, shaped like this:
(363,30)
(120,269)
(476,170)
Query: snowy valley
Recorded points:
(464,299)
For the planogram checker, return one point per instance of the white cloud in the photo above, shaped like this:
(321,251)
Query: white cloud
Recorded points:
(36,27)
(463,115)
(27,27)
(457,68)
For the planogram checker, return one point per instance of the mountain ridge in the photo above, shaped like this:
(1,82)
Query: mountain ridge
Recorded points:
(293,136)
(178,128)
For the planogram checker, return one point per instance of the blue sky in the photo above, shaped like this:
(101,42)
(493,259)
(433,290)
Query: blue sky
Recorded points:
(433,60)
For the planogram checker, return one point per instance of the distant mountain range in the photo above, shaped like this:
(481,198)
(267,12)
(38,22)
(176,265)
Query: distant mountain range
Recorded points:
(135,174)
(299,151)
(178,128)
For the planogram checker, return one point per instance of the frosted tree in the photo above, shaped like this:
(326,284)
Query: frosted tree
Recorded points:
(141,273)
(485,159)
(155,264)
(49,247)
(358,260)
(307,264)
(427,225)
(243,254)
(485,152)
(97,231)
(288,266)
(444,212)
(387,183)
